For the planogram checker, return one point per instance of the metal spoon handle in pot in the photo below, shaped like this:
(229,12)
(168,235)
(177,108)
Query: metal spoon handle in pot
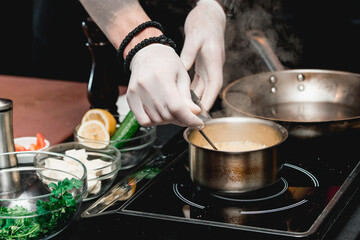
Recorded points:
(204,115)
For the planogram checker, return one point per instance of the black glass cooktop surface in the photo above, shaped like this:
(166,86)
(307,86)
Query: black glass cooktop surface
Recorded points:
(305,201)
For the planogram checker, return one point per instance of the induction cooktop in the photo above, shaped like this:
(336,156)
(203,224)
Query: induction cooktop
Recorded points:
(304,203)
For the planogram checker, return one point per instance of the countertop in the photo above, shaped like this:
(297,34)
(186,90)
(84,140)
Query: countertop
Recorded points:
(52,107)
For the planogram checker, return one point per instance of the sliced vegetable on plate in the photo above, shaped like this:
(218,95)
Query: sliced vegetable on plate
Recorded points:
(37,144)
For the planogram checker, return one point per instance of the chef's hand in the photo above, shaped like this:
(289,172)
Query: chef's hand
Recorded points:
(159,89)
(204,44)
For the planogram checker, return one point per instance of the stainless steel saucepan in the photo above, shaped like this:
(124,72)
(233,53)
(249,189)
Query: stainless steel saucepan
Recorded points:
(246,159)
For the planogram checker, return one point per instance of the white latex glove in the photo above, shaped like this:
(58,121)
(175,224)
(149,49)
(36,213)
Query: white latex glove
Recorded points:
(159,88)
(205,45)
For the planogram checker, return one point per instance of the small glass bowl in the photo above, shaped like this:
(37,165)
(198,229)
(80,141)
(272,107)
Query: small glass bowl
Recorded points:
(22,188)
(133,150)
(102,164)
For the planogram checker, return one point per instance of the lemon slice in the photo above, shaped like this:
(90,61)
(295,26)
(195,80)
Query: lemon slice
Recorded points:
(102,115)
(94,130)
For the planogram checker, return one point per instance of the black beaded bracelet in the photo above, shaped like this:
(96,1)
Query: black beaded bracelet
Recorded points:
(161,39)
(132,34)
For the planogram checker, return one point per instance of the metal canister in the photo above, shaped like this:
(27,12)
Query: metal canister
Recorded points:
(6,134)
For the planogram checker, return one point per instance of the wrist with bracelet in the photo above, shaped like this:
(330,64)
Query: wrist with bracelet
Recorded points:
(162,39)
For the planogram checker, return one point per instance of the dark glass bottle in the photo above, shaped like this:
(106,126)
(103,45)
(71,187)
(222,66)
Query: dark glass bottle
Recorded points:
(103,85)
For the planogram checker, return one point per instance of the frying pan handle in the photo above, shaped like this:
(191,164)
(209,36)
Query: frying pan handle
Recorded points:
(259,41)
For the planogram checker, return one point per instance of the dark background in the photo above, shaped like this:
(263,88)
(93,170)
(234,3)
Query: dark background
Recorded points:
(44,38)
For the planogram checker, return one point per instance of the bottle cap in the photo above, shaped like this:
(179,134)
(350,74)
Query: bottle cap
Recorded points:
(5,104)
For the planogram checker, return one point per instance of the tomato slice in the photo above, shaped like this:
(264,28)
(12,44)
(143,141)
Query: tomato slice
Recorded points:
(20,148)
(33,147)
(40,141)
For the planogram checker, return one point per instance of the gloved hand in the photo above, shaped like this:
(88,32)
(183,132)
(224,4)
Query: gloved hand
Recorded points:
(205,45)
(159,88)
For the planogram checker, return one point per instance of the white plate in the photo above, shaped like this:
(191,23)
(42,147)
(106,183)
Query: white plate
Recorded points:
(26,142)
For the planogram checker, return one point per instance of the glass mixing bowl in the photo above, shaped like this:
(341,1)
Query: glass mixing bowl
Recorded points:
(28,207)
(133,150)
(102,164)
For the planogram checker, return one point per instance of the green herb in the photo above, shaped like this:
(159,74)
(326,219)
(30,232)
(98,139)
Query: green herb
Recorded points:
(51,216)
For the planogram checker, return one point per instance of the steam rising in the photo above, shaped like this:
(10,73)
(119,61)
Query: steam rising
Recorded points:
(267,16)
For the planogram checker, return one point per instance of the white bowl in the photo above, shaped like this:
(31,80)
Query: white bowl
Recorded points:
(26,142)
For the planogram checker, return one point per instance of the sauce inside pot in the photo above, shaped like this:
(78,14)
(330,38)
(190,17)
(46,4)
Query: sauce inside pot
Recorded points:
(236,146)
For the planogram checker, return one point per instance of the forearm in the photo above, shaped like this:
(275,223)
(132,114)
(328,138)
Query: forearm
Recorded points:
(116,18)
